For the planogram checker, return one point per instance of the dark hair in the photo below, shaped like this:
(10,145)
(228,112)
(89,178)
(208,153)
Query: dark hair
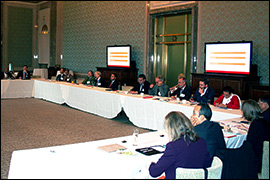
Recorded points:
(114,74)
(228,89)
(142,76)
(205,81)
(264,98)
(205,110)
(91,72)
(25,65)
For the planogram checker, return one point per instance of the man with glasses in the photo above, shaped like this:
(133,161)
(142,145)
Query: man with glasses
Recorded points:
(160,88)
(183,91)
(142,86)
(264,105)
(203,94)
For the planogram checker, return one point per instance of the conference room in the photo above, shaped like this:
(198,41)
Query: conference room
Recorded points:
(55,129)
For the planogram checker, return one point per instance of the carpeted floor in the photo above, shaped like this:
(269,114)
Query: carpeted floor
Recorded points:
(32,123)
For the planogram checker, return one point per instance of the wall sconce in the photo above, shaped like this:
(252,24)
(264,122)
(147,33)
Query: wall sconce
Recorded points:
(44,29)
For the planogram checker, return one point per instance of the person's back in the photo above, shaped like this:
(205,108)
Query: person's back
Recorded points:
(258,131)
(185,149)
(210,131)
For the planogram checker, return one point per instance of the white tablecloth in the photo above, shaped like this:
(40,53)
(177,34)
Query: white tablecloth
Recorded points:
(17,88)
(144,113)
(43,73)
(85,160)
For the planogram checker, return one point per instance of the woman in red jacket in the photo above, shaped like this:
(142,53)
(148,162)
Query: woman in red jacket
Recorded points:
(228,99)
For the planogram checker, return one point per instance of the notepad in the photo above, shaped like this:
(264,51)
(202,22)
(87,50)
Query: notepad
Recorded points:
(111,147)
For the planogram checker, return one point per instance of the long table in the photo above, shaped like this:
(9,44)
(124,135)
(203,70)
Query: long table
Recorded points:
(17,88)
(144,113)
(86,160)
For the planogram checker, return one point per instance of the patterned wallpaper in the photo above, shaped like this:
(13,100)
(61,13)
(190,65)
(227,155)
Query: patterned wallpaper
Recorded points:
(90,26)
(236,21)
(19,46)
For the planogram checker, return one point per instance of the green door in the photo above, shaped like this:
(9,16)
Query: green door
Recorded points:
(172,47)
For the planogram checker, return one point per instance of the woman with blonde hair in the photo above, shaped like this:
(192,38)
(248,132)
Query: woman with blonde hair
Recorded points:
(258,131)
(185,149)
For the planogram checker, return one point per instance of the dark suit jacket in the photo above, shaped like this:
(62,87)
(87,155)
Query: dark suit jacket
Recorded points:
(179,154)
(8,74)
(58,78)
(114,85)
(239,163)
(186,93)
(20,74)
(209,94)
(101,82)
(145,88)
(212,133)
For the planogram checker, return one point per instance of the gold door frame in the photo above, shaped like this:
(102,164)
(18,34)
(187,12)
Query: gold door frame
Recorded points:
(165,48)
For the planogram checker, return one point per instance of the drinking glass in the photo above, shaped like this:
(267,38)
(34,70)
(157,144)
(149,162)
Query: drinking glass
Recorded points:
(135,137)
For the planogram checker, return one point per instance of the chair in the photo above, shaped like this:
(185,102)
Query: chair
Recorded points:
(240,101)
(238,163)
(213,172)
(265,161)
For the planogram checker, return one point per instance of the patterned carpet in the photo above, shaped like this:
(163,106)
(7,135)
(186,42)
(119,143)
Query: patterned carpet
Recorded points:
(32,123)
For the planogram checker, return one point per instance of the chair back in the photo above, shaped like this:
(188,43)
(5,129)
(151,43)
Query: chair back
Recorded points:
(240,102)
(265,161)
(189,173)
(213,172)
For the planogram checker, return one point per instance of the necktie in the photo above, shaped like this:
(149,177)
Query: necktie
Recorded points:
(24,75)
(110,84)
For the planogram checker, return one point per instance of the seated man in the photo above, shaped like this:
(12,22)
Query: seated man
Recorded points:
(210,131)
(99,81)
(203,94)
(142,86)
(264,105)
(160,88)
(228,99)
(6,74)
(181,75)
(69,77)
(23,74)
(183,91)
(114,83)
(62,76)
(89,79)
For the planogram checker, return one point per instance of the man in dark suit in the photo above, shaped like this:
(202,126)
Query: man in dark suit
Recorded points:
(203,94)
(99,82)
(6,74)
(62,76)
(23,74)
(183,91)
(142,86)
(210,131)
(114,83)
